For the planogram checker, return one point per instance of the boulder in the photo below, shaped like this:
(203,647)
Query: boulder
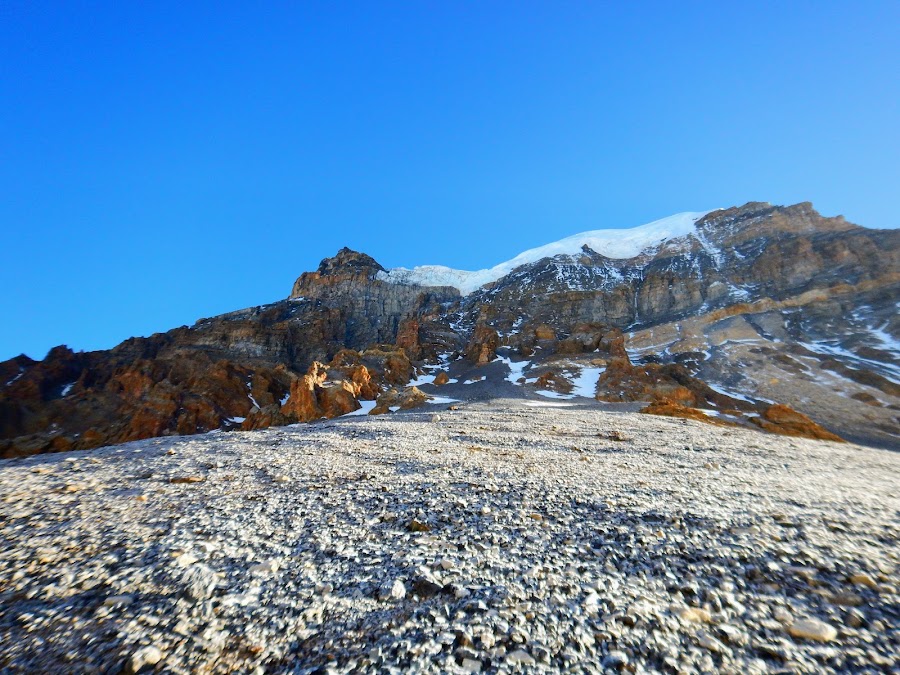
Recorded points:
(553,381)
(482,347)
(313,396)
(782,419)
(410,397)
(544,332)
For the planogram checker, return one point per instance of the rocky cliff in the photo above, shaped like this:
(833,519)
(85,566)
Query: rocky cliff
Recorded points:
(758,304)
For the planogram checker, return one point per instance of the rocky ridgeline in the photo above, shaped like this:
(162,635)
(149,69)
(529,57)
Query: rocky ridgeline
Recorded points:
(498,537)
(346,334)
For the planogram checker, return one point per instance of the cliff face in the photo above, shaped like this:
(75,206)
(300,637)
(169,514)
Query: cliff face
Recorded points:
(371,310)
(803,297)
(737,255)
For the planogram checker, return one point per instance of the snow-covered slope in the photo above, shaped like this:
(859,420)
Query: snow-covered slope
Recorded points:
(623,243)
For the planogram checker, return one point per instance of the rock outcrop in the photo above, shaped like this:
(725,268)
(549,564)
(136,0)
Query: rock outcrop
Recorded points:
(781,419)
(482,347)
(399,399)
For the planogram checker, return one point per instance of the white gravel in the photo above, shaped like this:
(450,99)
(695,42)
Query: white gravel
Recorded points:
(495,538)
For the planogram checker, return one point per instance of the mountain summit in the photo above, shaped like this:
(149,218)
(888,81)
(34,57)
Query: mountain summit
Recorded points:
(768,316)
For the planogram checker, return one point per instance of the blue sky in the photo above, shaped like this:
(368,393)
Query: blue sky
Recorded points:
(161,163)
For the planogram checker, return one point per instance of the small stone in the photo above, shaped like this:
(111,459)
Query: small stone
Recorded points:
(846,599)
(178,480)
(145,656)
(615,659)
(199,582)
(782,615)
(118,600)
(862,579)
(471,665)
(693,614)
(185,560)
(520,656)
(397,590)
(417,526)
(265,567)
(709,642)
(731,634)
(855,618)
(812,629)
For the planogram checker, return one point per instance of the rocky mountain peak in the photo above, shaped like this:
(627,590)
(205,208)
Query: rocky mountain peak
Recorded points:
(346,267)
(349,262)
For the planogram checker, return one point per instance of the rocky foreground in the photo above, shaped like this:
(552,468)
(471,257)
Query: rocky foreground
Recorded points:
(499,537)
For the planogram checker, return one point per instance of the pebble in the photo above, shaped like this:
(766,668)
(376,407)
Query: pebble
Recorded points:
(862,579)
(520,657)
(118,600)
(265,567)
(615,659)
(145,656)
(693,614)
(471,665)
(812,629)
(397,590)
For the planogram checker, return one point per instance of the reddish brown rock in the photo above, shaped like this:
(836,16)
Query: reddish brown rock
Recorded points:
(782,419)
(482,347)
(441,378)
(408,338)
(622,381)
(668,408)
(268,416)
(544,332)
(553,381)
(388,364)
(410,397)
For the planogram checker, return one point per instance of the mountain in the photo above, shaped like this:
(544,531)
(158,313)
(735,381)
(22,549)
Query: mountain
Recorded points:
(768,316)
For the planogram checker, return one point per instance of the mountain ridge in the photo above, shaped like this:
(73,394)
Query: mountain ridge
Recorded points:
(814,296)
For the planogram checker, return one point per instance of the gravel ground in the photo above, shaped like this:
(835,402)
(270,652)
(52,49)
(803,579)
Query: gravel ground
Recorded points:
(496,538)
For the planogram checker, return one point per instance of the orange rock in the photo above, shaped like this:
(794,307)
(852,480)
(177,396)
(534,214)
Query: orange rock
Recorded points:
(482,348)
(410,397)
(553,381)
(441,378)
(408,338)
(668,408)
(544,332)
(782,419)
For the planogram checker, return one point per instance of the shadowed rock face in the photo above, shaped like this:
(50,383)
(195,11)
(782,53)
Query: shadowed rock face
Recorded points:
(817,290)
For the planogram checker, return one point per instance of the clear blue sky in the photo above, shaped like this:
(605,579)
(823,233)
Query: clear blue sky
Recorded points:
(161,162)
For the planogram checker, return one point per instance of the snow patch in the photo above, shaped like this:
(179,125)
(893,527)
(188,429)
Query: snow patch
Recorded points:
(437,400)
(366,407)
(619,244)
(586,383)
(731,394)
(516,370)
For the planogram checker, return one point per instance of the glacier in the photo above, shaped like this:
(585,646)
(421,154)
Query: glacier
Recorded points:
(612,243)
